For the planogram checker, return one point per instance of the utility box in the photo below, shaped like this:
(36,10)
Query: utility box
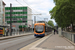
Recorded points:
(59,31)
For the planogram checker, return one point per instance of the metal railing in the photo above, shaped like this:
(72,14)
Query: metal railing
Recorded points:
(69,35)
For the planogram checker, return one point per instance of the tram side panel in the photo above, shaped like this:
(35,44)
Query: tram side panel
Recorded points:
(48,30)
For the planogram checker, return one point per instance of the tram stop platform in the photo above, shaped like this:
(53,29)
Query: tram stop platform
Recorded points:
(50,42)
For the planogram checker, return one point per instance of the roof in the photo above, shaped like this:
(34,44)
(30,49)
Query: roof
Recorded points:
(3,3)
(48,25)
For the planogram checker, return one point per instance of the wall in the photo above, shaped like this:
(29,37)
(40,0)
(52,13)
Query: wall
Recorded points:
(29,18)
(1,12)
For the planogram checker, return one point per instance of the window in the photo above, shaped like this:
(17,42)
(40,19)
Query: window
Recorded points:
(39,28)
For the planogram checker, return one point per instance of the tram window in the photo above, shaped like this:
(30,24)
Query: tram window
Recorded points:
(39,29)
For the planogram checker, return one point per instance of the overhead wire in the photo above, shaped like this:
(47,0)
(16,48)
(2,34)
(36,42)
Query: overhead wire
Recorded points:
(31,8)
(28,6)
(19,2)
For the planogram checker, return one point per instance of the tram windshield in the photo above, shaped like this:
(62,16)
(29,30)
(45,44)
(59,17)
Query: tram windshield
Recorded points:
(39,28)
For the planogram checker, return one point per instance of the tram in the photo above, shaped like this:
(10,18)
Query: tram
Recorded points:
(40,29)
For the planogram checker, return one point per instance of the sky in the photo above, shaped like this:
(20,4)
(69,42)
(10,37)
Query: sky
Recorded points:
(38,7)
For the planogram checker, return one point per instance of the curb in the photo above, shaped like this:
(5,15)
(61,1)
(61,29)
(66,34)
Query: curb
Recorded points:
(9,37)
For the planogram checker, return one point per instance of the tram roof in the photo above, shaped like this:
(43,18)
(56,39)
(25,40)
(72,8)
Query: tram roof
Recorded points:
(39,23)
(48,25)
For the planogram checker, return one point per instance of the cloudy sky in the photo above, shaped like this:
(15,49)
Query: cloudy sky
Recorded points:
(37,6)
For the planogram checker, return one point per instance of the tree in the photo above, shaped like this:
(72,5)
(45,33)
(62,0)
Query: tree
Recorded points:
(63,12)
(51,23)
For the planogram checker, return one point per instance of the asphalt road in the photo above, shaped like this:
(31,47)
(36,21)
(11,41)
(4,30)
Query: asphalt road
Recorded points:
(17,43)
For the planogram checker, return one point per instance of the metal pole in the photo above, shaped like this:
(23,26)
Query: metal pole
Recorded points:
(32,25)
(34,19)
(10,19)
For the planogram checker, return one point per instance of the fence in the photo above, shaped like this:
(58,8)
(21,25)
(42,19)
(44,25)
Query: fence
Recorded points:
(69,35)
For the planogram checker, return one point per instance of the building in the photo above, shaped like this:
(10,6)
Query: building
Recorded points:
(21,17)
(3,26)
(2,13)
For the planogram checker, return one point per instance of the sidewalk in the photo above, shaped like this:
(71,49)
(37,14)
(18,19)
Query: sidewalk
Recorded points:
(51,42)
(57,43)
(14,36)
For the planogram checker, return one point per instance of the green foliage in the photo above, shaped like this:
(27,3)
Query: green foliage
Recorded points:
(63,12)
(51,23)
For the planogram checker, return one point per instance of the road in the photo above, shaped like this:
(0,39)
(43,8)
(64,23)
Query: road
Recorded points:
(17,43)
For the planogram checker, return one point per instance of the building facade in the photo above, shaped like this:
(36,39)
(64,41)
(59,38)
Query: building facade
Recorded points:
(2,13)
(20,17)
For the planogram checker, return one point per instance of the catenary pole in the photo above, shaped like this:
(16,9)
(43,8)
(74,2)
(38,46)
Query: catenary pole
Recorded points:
(10,19)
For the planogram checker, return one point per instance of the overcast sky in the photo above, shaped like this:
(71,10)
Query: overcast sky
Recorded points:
(37,6)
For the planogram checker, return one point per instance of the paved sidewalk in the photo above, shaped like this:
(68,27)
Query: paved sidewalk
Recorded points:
(50,42)
(14,36)
(55,42)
